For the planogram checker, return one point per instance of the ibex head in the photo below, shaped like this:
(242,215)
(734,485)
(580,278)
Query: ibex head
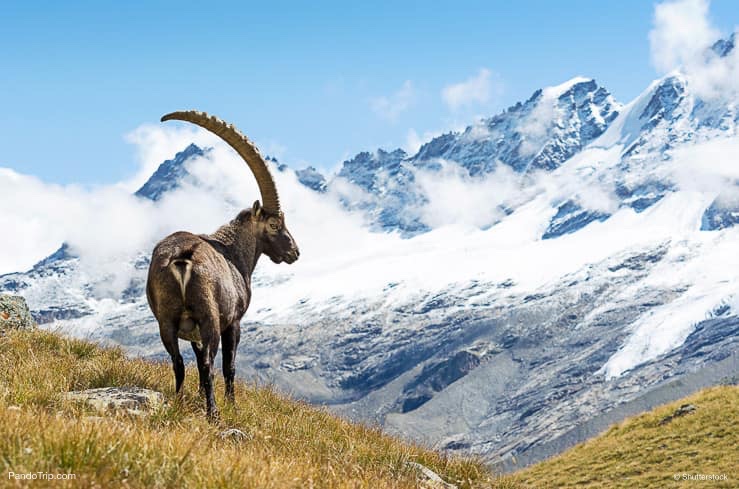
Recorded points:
(266,220)
(276,241)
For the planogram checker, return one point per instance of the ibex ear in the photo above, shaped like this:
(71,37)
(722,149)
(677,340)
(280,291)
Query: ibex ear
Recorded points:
(256,209)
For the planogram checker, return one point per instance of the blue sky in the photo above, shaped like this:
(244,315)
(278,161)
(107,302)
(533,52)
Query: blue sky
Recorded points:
(311,83)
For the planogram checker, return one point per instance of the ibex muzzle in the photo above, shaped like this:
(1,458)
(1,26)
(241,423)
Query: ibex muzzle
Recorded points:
(199,286)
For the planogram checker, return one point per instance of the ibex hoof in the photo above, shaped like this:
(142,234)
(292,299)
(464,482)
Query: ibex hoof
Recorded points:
(213,414)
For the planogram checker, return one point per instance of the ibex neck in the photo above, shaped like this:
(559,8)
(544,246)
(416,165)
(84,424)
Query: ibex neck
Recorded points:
(239,248)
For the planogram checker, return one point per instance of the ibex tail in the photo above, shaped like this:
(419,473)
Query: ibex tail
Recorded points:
(181,268)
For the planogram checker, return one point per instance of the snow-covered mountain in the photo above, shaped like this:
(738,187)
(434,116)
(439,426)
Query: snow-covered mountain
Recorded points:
(539,134)
(507,291)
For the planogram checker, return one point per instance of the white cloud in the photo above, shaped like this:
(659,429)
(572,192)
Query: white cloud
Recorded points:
(26,208)
(476,90)
(681,39)
(681,33)
(478,131)
(535,127)
(708,167)
(107,226)
(390,107)
(455,198)
(414,141)
(103,220)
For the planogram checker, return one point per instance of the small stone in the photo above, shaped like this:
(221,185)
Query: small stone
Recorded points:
(28,450)
(428,478)
(234,434)
(685,409)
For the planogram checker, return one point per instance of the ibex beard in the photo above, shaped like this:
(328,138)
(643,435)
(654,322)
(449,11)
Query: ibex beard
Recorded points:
(199,286)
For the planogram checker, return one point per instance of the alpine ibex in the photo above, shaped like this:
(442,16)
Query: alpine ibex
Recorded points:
(199,286)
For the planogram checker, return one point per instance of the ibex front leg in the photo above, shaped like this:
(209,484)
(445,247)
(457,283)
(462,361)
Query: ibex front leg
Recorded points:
(229,342)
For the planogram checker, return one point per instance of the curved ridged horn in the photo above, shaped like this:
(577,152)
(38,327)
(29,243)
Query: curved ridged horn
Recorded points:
(242,145)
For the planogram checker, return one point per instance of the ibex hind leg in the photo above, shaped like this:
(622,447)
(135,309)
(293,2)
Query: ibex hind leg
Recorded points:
(168,333)
(200,351)
(205,354)
(229,342)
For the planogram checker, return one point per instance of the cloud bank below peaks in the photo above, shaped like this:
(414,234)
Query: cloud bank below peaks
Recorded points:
(682,39)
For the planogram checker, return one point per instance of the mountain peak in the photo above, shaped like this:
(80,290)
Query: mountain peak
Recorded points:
(539,134)
(578,82)
(553,124)
(362,168)
(723,47)
(665,99)
(169,174)
(312,178)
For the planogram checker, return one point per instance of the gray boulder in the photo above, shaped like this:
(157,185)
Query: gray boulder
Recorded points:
(14,313)
(126,400)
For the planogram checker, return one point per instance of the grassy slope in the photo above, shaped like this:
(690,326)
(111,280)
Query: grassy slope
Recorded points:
(641,453)
(291,445)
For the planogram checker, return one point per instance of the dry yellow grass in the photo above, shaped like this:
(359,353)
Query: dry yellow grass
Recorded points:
(642,453)
(291,445)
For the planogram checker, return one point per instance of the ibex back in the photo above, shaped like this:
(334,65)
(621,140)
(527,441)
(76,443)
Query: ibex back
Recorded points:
(199,286)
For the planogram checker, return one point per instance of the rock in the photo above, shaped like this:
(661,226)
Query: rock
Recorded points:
(234,435)
(681,411)
(428,478)
(129,400)
(14,313)
(685,409)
